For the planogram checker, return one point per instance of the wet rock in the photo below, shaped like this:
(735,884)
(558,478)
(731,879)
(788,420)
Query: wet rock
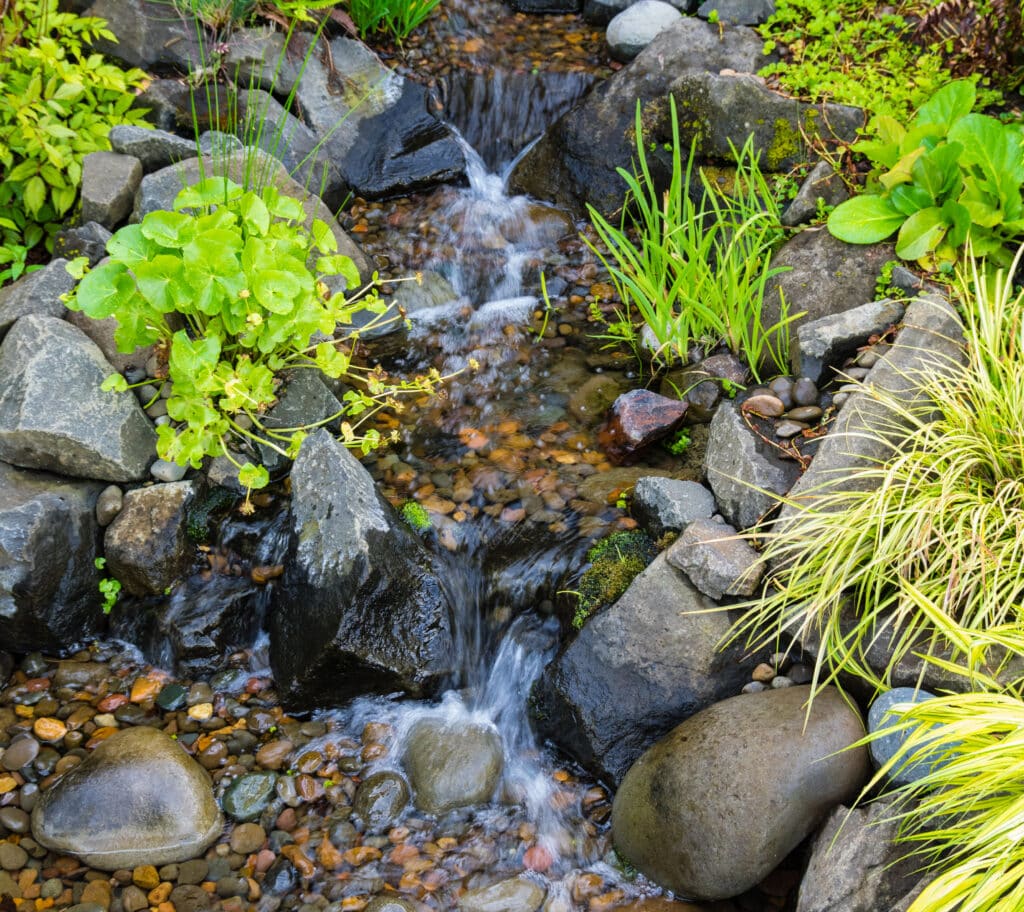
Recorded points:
(883,715)
(20,753)
(637,26)
(36,293)
(379,799)
(703,815)
(824,342)
(249,795)
(148,35)
(138,798)
(158,190)
(742,470)
(88,240)
(48,540)
(360,608)
(856,864)
(824,276)
(376,126)
(303,400)
(822,183)
(764,405)
(389,904)
(452,764)
(589,402)
(738,12)
(574,162)
(670,504)
(53,414)
(190,898)
(717,561)
(636,669)
(101,332)
(517,894)
(636,420)
(147,546)
(109,182)
(545,6)
(155,149)
(601,12)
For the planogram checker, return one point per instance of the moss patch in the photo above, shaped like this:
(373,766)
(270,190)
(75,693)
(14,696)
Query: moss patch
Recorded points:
(615,562)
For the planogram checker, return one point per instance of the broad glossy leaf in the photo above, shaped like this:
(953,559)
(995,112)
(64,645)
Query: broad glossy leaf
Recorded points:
(990,146)
(900,172)
(253,476)
(193,358)
(864,220)
(168,229)
(105,289)
(255,213)
(885,148)
(209,192)
(160,280)
(276,290)
(34,195)
(909,198)
(959,219)
(948,105)
(938,172)
(323,237)
(921,234)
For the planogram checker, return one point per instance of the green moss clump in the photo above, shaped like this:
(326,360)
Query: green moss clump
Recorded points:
(415,516)
(615,562)
(786,143)
(202,509)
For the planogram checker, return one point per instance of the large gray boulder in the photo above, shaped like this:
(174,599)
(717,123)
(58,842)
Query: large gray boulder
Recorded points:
(711,809)
(738,12)
(376,126)
(360,608)
(150,34)
(137,799)
(856,864)
(146,545)
(743,471)
(636,669)
(49,538)
(36,293)
(53,414)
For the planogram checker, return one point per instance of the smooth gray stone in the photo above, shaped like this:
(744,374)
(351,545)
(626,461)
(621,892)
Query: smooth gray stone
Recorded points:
(138,798)
(670,504)
(637,26)
(452,764)
(885,748)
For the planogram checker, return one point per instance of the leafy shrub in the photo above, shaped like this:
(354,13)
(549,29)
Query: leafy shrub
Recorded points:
(615,562)
(232,266)
(951,172)
(841,51)
(695,273)
(921,553)
(57,104)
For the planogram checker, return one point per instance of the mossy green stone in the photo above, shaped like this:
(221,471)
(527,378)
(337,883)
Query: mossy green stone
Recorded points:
(249,795)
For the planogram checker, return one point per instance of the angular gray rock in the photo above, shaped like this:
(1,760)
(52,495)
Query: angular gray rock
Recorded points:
(670,504)
(452,763)
(827,340)
(150,35)
(158,190)
(636,669)
(376,126)
(48,540)
(36,293)
(742,470)
(138,798)
(304,400)
(856,865)
(360,608)
(824,276)
(258,58)
(146,545)
(717,560)
(574,162)
(53,414)
(88,240)
(637,26)
(822,183)
(707,815)
(738,12)
(109,182)
(155,149)
(102,334)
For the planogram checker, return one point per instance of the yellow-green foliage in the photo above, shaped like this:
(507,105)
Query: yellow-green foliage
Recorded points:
(57,104)
(615,562)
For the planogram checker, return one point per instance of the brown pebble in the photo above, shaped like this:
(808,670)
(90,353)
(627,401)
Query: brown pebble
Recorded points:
(160,893)
(805,413)
(247,838)
(97,891)
(145,877)
(47,729)
(133,899)
(286,820)
(273,754)
(763,673)
(764,404)
(264,859)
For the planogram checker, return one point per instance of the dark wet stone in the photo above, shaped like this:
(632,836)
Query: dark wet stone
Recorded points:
(281,878)
(21,752)
(14,820)
(380,798)
(714,846)
(88,240)
(452,764)
(638,419)
(248,796)
(173,815)
(171,697)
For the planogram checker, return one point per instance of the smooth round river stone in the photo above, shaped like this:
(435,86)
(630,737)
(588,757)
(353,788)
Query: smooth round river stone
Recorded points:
(452,764)
(137,799)
(882,715)
(714,806)
(380,798)
(249,795)
(517,894)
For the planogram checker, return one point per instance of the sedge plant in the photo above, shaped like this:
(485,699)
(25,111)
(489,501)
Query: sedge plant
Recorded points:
(694,272)
(921,552)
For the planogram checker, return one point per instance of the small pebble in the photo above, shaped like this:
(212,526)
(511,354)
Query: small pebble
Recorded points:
(805,413)
(753,687)
(781,681)
(12,857)
(165,471)
(868,358)
(15,820)
(800,673)
(247,838)
(763,672)
(108,505)
(22,752)
(856,373)
(805,391)
(764,404)
(786,428)
(782,388)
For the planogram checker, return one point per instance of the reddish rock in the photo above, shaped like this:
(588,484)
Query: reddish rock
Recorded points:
(635,421)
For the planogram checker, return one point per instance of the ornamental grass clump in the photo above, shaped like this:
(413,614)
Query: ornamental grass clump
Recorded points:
(922,552)
(694,271)
(965,817)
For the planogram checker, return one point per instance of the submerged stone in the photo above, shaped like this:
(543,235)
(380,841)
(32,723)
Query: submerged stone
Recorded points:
(137,799)
(452,764)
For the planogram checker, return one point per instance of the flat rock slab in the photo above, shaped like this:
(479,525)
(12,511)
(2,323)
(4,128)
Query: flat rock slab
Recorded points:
(48,539)
(825,341)
(137,799)
(55,417)
(109,182)
(711,809)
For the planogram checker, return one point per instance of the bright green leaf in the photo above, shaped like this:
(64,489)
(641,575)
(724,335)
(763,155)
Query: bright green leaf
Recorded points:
(921,234)
(864,219)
